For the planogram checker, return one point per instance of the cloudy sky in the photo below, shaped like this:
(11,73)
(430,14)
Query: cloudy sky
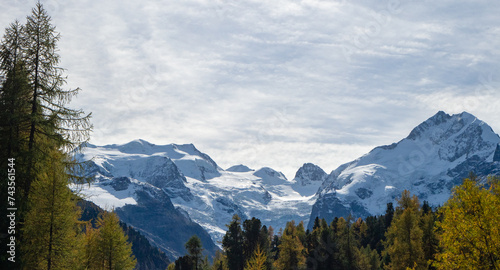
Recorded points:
(275,83)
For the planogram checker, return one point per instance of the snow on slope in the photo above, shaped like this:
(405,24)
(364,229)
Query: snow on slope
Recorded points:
(206,193)
(429,162)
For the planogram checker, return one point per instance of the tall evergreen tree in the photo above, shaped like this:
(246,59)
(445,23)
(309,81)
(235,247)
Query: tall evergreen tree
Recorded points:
(50,120)
(112,246)
(375,232)
(14,109)
(321,246)
(368,259)
(430,240)
(89,253)
(290,250)
(404,236)
(38,132)
(347,243)
(50,225)
(194,249)
(251,236)
(232,243)
(389,215)
(14,93)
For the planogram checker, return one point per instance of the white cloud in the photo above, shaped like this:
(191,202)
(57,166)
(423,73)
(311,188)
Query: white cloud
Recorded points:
(300,80)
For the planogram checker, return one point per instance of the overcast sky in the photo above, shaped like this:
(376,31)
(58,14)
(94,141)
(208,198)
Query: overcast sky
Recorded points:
(275,83)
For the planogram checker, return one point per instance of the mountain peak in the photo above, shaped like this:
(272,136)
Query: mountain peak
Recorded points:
(239,168)
(269,174)
(309,173)
(442,124)
(138,146)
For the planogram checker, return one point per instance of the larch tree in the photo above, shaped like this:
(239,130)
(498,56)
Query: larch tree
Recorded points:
(40,132)
(114,252)
(290,249)
(470,227)
(44,132)
(258,261)
(347,243)
(220,261)
(88,253)
(404,236)
(51,122)
(50,225)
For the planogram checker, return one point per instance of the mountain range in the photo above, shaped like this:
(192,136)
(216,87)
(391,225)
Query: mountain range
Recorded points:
(170,192)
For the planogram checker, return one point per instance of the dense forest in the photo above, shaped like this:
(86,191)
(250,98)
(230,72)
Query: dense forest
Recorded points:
(462,234)
(42,226)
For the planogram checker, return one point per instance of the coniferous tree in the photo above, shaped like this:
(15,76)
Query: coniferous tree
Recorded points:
(265,244)
(88,253)
(38,132)
(301,232)
(232,244)
(194,249)
(50,120)
(14,109)
(347,243)
(290,249)
(251,237)
(389,215)
(114,252)
(312,249)
(14,94)
(430,240)
(368,259)
(316,223)
(404,236)
(50,225)
(258,261)
(220,261)
(321,245)
(374,233)
(470,231)
(184,263)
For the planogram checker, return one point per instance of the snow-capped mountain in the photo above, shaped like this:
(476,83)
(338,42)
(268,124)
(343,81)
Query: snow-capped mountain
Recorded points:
(196,185)
(434,157)
(149,184)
